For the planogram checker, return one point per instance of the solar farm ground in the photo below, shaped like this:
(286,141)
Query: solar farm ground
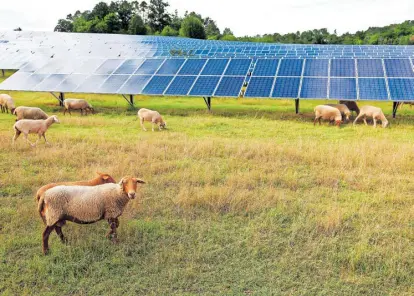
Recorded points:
(249,200)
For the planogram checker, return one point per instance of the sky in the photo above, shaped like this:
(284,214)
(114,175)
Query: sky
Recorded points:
(242,17)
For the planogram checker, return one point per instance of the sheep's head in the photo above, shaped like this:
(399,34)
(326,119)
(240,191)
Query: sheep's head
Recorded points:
(163,124)
(12,110)
(55,119)
(129,185)
(105,178)
(385,124)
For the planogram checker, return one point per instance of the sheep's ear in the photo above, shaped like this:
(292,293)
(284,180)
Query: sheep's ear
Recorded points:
(122,181)
(139,181)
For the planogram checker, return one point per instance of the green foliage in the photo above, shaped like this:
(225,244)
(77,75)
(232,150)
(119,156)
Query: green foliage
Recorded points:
(64,26)
(137,26)
(229,38)
(158,16)
(168,31)
(192,27)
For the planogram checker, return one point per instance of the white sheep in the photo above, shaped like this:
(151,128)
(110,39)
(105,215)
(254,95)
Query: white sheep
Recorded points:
(327,113)
(77,104)
(85,205)
(372,112)
(6,103)
(343,109)
(29,126)
(152,116)
(29,113)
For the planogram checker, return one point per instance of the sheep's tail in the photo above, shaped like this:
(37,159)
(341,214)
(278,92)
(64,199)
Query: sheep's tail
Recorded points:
(40,207)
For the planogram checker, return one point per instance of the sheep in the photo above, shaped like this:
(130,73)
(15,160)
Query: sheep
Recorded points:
(352,106)
(29,126)
(6,103)
(77,104)
(327,113)
(101,179)
(85,205)
(153,116)
(29,113)
(373,112)
(343,109)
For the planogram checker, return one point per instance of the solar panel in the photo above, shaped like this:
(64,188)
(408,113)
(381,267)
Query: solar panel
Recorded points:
(215,67)
(91,84)
(370,68)
(266,67)
(205,86)
(314,88)
(113,84)
(135,84)
(129,66)
(286,87)
(157,85)
(71,82)
(108,67)
(238,67)
(88,66)
(343,88)
(149,66)
(230,86)
(170,67)
(290,67)
(372,89)
(342,68)
(398,68)
(316,67)
(50,83)
(181,85)
(192,67)
(259,87)
(401,89)
(15,81)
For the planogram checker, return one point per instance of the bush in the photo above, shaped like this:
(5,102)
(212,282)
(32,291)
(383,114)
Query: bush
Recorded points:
(192,27)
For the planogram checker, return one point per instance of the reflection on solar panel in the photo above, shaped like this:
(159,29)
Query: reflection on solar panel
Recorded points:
(91,84)
(129,67)
(135,84)
(229,87)
(113,84)
(108,67)
(51,82)
(170,67)
(71,82)
(149,67)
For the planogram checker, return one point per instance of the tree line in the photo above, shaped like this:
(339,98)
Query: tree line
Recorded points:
(153,18)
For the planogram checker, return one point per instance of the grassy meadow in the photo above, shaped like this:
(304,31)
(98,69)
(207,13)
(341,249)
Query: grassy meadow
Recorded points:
(248,200)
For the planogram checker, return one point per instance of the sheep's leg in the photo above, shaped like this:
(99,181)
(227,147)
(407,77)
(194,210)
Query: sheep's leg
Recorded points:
(357,118)
(45,238)
(375,122)
(59,232)
(153,125)
(314,122)
(64,111)
(44,137)
(142,124)
(16,135)
(114,224)
(365,120)
(27,140)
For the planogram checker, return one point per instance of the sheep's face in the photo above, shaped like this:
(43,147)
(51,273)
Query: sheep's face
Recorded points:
(129,185)
(385,124)
(163,125)
(55,119)
(106,178)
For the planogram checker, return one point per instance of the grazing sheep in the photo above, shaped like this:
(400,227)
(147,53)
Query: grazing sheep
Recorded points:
(101,179)
(352,106)
(153,116)
(77,104)
(6,103)
(29,113)
(345,112)
(327,113)
(374,113)
(29,126)
(85,205)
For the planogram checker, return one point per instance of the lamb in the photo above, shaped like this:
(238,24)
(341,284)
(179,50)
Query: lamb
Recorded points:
(29,126)
(85,205)
(29,113)
(352,106)
(153,116)
(374,113)
(6,103)
(345,112)
(77,104)
(327,113)
(101,179)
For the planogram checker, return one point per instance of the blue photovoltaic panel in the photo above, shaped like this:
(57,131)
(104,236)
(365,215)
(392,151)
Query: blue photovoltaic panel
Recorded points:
(72,82)
(92,83)
(108,67)
(290,67)
(229,87)
(372,89)
(215,67)
(343,88)
(314,88)
(51,83)
(157,85)
(259,87)
(170,67)
(205,86)
(286,87)
(113,83)
(129,67)
(238,67)
(181,85)
(135,84)
(398,68)
(401,89)
(149,66)
(192,67)
(266,67)
(342,68)
(316,67)
(370,68)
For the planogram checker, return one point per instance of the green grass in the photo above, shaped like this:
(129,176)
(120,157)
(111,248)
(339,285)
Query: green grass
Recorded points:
(249,200)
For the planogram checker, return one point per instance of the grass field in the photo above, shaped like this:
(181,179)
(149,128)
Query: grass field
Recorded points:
(249,200)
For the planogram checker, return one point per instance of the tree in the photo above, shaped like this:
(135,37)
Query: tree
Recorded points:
(137,26)
(227,31)
(176,21)
(143,7)
(229,38)
(64,26)
(169,31)
(192,27)
(113,23)
(158,16)
(211,27)
(100,10)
